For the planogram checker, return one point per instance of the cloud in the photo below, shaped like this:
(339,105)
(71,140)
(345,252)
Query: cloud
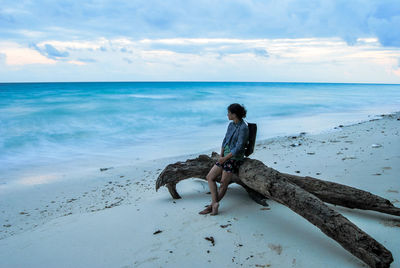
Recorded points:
(244,19)
(201,46)
(15,54)
(53,53)
(50,51)
(387,30)
(211,59)
(76,62)
(261,52)
(87,60)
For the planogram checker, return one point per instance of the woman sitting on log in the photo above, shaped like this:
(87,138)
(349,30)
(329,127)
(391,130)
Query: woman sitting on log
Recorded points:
(232,154)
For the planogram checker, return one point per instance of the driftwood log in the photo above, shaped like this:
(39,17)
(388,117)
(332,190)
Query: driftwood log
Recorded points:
(303,195)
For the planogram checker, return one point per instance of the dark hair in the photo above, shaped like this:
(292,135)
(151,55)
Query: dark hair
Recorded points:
(239,110)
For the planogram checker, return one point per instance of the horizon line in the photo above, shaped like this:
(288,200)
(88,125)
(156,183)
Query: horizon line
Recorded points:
(185,81)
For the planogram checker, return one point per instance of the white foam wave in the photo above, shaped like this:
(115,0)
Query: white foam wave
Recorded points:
(154,97)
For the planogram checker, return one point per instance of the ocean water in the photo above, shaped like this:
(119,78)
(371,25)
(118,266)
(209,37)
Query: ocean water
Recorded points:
(53,128)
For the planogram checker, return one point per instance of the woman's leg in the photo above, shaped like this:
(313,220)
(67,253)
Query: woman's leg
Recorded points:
(225,180)
(211,177)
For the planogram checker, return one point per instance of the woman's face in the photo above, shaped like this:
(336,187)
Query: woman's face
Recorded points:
(231,116)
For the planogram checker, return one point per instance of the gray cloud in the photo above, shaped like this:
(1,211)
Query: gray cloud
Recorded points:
(50,51)
(203,18)
(261,52)
(53,53)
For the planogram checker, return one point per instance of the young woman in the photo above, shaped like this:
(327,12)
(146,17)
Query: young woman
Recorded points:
(232,154)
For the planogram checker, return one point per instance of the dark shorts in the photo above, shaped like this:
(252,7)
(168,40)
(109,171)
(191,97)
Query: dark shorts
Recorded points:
(230,165)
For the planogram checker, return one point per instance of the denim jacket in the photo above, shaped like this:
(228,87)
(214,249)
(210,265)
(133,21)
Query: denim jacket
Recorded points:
(236,138)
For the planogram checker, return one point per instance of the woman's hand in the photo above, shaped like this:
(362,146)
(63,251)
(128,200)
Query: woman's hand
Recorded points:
(222,160)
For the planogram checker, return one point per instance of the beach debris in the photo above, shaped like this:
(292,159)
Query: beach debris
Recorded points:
(349,158)
(7,225)
(297,144)
(105,169)
(157,232)
(211,239)
(311,153)
(304,196)
(375,145)
(265,209)
(114,204)
(226,225)
(318,173)
(276,248)
(377,174)
(297,171)
(392,191)
(263,265)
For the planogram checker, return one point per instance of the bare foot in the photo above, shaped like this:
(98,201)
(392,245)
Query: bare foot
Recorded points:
(207,210)
(214,209)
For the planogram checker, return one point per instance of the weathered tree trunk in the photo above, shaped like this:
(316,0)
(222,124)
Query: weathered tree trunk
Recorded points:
(343,195)
(330,192)
(303,196)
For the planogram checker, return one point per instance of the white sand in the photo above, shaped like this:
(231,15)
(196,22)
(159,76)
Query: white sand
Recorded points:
(109,219)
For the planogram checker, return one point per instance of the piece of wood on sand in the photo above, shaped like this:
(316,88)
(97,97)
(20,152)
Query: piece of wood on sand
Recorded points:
(303,195)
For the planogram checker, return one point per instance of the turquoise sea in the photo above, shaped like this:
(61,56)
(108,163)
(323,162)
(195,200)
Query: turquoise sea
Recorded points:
(57,127)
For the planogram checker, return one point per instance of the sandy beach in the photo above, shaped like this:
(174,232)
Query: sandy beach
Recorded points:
(115,218)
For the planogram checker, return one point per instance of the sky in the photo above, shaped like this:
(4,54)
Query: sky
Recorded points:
(351,41)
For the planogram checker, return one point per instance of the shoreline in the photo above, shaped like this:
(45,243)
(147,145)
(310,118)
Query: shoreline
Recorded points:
(125,194)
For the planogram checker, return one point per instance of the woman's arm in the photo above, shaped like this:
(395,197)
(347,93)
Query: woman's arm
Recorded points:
(223,159)
(241,142)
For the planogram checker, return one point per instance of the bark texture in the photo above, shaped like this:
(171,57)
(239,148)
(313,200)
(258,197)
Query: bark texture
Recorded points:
(303,195)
